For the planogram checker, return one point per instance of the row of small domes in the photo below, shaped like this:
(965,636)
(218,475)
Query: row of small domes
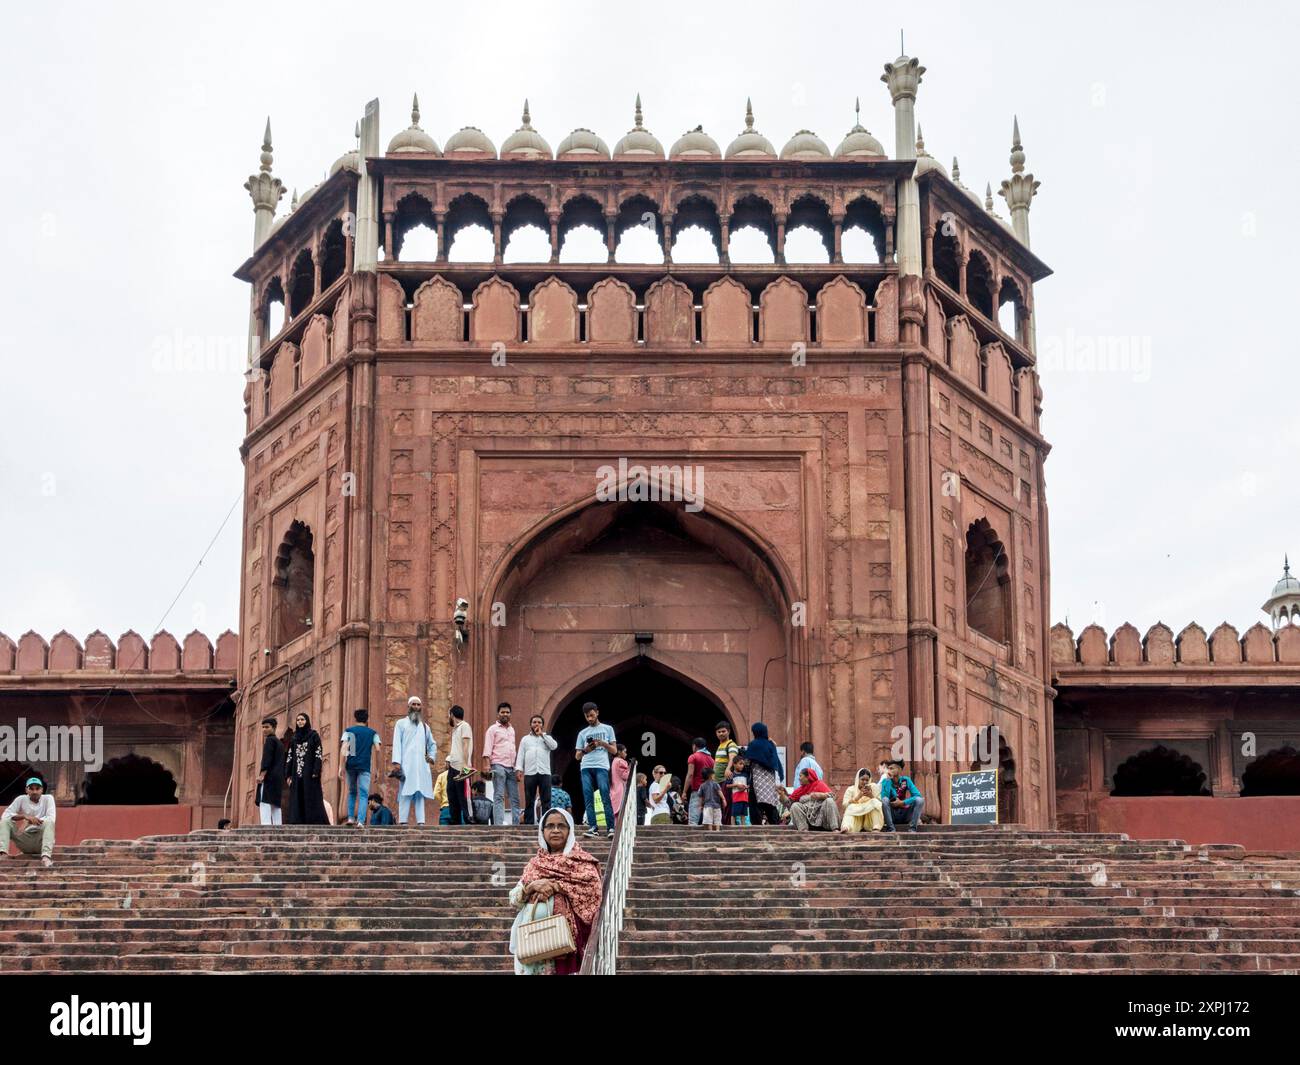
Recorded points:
(638,143)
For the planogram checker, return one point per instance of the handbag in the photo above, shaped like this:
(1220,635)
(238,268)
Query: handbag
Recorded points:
(544,939)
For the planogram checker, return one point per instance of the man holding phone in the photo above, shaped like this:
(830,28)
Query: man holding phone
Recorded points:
(595,745)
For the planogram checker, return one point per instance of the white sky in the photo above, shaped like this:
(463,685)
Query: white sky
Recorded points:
(132,127)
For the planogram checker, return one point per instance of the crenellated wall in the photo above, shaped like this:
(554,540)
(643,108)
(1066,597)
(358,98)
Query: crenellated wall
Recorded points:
(162,714)
(1210,709)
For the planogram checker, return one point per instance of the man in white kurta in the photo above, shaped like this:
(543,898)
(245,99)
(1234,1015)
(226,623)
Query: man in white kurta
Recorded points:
(413,752)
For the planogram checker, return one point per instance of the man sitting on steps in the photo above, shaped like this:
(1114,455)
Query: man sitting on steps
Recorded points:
(29,822)
(901,799)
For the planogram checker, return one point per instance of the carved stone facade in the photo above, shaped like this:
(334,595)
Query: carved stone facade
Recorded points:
(443,428)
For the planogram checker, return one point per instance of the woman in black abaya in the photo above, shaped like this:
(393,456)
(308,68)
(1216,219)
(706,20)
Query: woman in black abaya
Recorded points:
(304,803)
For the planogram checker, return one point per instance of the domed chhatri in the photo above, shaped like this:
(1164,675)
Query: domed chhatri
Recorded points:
(956,180)
(695,144)
(925,162)
(805,145)
(582,143)
(638,142)
(750,144)
(525,142)
(1283,605)
(470,142)
(858,143)
(413,138)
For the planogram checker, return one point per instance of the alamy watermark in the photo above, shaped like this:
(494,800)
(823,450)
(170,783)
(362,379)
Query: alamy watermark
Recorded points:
(1086,353)
(645,484)
(53,743)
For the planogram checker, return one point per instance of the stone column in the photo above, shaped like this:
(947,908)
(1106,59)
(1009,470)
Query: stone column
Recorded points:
(724,241)
(668,239)
(555,237)
(440,222)
(837,238)
(903,76)
(780,238)
(496,238)
(611,235)
(366,256)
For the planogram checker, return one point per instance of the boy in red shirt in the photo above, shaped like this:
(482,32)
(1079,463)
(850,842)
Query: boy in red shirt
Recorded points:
(698,766)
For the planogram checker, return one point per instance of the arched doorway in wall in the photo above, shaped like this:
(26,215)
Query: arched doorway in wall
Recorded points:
(1159,771)
(131,780)
(704,600)
(651,708)
(1008,785)
(1275,773)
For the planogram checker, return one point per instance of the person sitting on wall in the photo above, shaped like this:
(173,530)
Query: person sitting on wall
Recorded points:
(901,799)
(379,813)
(29,823)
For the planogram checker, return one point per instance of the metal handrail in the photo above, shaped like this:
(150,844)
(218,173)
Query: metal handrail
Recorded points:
(602,945)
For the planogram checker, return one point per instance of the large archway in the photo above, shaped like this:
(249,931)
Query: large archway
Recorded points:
(652,709)
(131,780)
(629,598)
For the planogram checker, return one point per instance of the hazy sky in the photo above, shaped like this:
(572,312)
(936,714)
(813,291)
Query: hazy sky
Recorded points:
(1164,136)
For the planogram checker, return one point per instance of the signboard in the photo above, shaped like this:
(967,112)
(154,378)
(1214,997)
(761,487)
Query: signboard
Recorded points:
(973,798)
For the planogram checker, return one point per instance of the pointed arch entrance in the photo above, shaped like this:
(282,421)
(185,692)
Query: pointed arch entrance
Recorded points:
(654,710)
(676,619)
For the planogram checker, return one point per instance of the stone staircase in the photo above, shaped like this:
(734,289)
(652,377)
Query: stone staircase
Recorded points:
(952,898)
(294,899)
(759,899)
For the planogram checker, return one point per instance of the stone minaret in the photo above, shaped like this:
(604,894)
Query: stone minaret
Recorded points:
(902,76)
(1019,189)
(365,254)
(265,189)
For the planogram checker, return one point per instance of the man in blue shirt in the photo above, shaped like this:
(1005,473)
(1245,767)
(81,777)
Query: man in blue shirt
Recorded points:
(902,800)
(807,762)
(360,743)
(595,745)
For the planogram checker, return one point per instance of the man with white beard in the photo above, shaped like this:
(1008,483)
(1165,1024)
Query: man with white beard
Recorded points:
(414,751)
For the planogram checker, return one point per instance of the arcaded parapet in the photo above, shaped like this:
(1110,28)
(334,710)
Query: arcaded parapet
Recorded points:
(340,336)
(315,348)
(611,313)
(227,653)
(998,376)
(1192,646)
(132,652)
(1225,645)
(1158,645)
(33,653)
(196,655)
(1126,646)
(282,375)
(1092,646)
(164,653)
(8,653)
(1063,648)
(886,304)
(100,652)
(1028,383)
(1288,644)
(553,313)
(438,315)
(783,313)
(669,314)
(391,301)
(841,314)
(1258,646)
(65,653)
(495,314)
(936,326)
(727,315)
(963,350)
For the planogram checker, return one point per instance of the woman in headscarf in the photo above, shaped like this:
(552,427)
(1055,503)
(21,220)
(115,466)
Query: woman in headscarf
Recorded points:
(863,811)
(812,806)
(562,878)
(765,771)
(304,800)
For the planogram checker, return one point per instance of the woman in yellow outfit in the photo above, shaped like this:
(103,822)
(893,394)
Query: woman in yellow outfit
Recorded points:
(862,809)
